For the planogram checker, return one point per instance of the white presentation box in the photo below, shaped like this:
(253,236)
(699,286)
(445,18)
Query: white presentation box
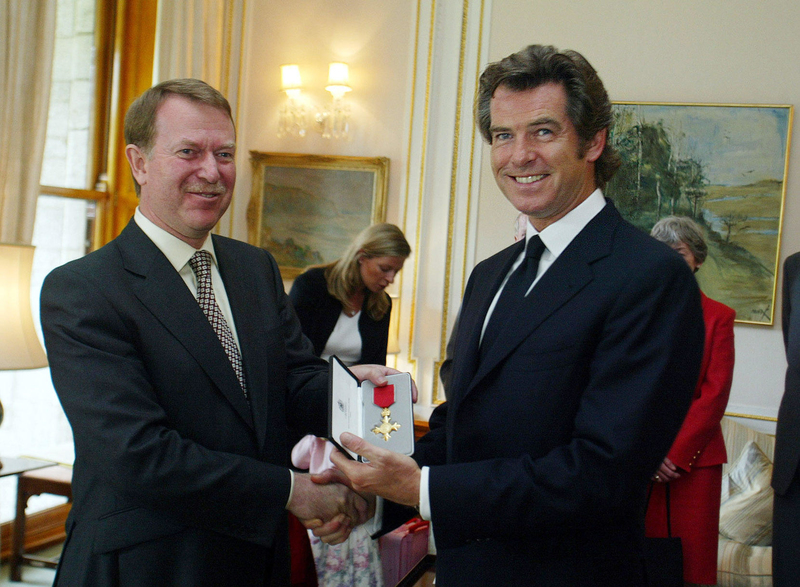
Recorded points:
(383,416)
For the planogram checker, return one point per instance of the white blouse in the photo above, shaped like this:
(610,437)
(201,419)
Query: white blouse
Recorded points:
(345,340)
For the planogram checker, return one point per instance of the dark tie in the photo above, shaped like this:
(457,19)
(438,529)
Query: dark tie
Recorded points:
(201,265)
(514,292)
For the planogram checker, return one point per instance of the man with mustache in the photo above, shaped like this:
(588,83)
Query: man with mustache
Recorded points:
(576,358)
(181,366)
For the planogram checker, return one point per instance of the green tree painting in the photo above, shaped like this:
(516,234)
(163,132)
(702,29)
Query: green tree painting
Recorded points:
(725,167)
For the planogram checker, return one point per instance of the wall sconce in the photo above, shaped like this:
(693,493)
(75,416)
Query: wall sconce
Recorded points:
(332,121)
(293,114)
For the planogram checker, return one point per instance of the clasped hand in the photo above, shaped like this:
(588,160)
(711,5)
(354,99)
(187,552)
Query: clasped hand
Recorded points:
(331,510)
(667,472)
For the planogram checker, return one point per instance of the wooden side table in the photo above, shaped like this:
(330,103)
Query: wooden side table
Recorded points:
(53,480)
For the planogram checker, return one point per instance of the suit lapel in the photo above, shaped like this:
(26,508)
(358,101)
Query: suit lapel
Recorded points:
(162,291)
(477,300)
(568,275)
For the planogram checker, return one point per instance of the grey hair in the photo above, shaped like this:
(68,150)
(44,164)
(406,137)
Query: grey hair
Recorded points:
(674,230)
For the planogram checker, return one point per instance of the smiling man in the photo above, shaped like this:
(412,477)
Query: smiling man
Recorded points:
(181,367)
(575,362)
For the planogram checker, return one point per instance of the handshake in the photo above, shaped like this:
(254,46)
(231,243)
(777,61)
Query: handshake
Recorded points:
(330,508)
(333,502)
(337,500)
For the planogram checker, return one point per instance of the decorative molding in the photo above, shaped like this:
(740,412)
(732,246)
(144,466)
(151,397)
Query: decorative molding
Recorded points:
(443,159)
(417,142)
(751,416)
(461,192)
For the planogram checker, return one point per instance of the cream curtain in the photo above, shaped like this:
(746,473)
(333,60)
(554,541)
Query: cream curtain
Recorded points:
(27,37)
(203,39)
(200,39)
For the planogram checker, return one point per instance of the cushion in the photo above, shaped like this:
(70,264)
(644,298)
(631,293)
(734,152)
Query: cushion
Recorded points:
(740,565)
(746,509)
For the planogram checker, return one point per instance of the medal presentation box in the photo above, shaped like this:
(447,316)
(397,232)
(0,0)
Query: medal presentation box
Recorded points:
(383,416)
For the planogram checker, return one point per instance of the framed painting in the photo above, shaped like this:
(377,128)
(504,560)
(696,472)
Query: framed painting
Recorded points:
(306,209)
(725,167)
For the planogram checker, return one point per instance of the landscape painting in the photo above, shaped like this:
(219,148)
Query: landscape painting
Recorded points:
(306,209)
(724,166)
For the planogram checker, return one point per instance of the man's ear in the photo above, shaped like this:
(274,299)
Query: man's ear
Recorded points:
(138,163)
(594,148)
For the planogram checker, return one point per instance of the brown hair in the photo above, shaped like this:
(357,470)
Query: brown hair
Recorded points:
(588,106)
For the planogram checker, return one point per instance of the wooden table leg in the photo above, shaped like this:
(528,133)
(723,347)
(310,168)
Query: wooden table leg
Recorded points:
(18,536)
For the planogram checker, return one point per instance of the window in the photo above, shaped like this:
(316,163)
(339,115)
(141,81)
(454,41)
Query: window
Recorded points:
(68,223)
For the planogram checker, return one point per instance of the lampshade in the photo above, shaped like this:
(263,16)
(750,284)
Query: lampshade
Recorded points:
(338,79)
(19,346)
(290,80)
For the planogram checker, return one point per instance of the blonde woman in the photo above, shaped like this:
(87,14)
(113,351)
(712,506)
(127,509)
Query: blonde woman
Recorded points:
(343,307)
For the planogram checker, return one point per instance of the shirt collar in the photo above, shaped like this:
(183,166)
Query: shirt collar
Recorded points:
(175,250)
(557,236)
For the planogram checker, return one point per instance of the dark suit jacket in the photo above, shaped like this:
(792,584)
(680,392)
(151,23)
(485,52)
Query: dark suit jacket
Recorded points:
(446,368)
(787,432)
(177,481)
(540,458)
(319,311)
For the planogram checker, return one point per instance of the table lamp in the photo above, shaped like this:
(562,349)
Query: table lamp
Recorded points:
(19,345)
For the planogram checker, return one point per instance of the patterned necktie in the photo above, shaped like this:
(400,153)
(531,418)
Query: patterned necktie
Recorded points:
(514,292)
(201,265)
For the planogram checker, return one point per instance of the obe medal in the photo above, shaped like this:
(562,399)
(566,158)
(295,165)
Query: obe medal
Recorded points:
(383,397)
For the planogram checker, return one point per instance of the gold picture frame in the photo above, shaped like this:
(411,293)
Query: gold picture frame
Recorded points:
(306,209)
(725,166)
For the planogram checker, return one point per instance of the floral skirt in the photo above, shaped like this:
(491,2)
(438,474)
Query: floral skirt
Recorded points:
(354,563)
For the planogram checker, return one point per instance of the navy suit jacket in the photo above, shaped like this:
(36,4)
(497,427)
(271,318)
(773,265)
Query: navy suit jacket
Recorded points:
(177,481)
(540,459)
(787,432)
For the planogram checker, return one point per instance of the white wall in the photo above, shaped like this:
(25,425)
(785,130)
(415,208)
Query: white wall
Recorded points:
(374,38)
(708,51)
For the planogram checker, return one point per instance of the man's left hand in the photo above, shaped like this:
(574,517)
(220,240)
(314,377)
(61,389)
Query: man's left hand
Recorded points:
(377,375)
(388,474)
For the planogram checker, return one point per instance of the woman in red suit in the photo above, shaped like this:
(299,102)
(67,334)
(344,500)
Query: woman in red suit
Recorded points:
(693,466)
